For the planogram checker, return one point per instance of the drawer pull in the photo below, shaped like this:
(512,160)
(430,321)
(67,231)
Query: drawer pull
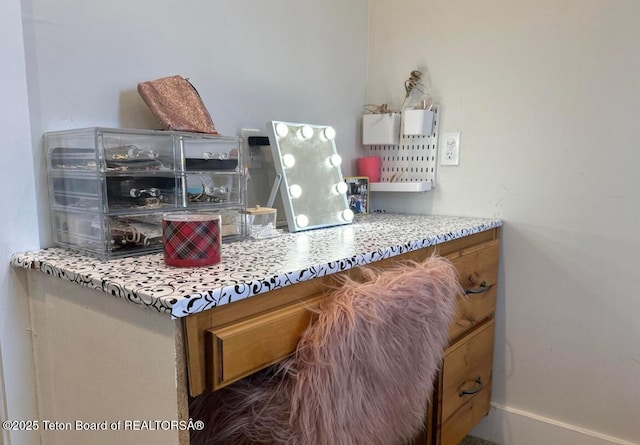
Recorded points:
(484,287)
(476,389)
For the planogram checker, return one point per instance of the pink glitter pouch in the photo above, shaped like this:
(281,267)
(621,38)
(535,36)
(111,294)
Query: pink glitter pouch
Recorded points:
(177,105)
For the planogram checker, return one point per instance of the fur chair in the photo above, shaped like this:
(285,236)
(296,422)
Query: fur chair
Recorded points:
(362,374)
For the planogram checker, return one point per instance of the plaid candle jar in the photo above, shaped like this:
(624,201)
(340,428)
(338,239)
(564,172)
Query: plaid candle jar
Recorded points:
(191,240)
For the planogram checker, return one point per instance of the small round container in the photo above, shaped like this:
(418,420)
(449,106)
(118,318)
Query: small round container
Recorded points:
(191,239)
(369,166)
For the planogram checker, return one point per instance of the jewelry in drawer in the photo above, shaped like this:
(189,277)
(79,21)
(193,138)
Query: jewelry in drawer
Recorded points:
(140,233)
(210,154)
(140,192)
(214,188)
(137,152)
(136,231)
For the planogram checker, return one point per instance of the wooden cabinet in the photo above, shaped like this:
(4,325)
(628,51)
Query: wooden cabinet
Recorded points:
(234,340)
(462,392)
(149,363)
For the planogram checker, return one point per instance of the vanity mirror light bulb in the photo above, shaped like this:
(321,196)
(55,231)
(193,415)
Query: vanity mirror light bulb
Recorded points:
(335,160)
(289,160)
(329,133)
(306,132)
(295,191)
(302,220)
(347,215)
(282,130)
(341,188)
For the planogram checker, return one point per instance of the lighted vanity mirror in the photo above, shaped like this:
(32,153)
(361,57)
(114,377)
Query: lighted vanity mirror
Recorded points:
(313,190)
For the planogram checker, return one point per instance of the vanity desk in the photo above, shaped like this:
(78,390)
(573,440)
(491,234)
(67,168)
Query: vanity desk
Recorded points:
(126,363)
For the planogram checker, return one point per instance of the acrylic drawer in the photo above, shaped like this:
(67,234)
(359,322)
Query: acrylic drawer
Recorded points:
(78,192)
(108,236)
(131,193)
(213,153)
(114,193)
(127,152)
(204,188)
(115,150)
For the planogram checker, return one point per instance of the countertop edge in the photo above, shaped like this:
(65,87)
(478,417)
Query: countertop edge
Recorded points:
(191,303)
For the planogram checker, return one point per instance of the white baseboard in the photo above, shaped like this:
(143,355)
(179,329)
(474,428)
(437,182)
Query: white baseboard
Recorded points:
(510,426)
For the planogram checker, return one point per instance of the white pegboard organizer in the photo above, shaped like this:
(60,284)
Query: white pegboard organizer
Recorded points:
(410,166)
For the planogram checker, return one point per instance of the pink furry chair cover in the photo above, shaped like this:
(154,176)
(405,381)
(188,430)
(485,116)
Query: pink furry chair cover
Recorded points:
(362,373)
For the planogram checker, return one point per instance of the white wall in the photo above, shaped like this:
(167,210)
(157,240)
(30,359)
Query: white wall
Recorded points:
(546,96)
(252,61)
(18,226)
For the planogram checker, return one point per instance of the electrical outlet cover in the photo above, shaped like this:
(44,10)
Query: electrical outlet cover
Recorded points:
(252,154)
(450,148)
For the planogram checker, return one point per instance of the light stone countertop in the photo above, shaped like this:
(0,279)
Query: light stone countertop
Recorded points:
(252,267)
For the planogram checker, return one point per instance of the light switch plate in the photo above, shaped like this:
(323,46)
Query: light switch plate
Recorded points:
(450,148)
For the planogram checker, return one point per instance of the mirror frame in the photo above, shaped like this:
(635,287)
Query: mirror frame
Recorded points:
(306,158)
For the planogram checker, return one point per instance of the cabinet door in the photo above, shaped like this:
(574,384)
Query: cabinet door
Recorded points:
(465,390)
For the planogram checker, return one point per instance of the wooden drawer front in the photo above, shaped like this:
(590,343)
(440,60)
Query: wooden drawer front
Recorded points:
(477,268)
(247,346)
(466,383)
